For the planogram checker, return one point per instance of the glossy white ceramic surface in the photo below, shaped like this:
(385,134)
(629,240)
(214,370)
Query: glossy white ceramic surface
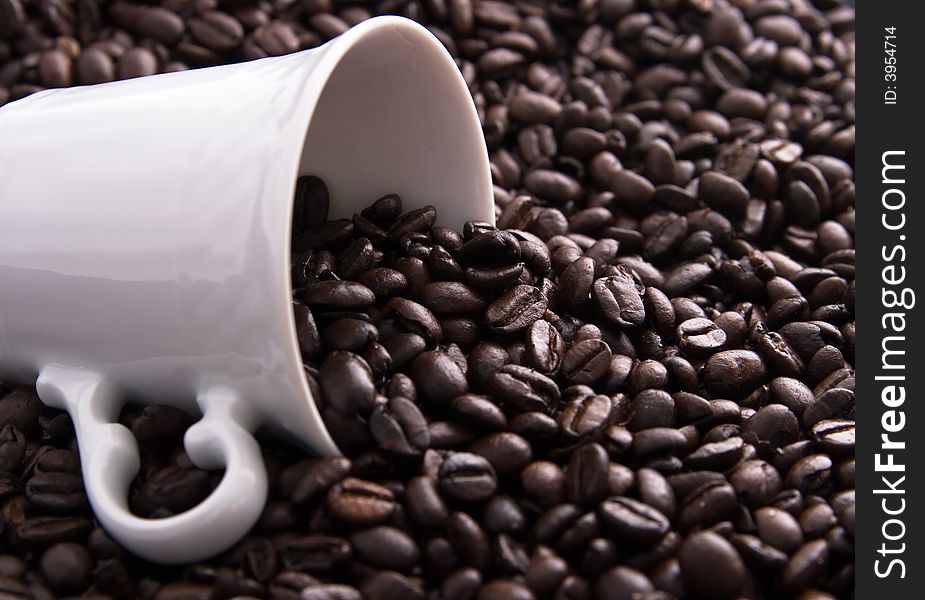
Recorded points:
(146,242)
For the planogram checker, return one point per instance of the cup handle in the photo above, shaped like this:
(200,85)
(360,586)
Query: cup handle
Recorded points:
(109,460)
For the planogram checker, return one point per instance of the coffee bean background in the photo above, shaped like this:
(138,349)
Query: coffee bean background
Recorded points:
(640,385)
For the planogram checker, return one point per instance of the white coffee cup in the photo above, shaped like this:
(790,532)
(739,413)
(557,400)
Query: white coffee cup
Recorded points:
(145,251)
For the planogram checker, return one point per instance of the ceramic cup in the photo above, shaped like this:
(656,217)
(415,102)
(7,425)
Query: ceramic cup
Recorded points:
(145,252)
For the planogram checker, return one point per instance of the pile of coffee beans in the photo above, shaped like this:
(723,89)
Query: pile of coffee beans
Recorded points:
(639,385)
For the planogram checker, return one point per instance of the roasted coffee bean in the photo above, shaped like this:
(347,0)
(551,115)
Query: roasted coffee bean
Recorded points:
(360,502)
(835,436)
(733,373)
(545,482)
(67,567)
(703,549)
(400,427)
(618,299)
(756,482)
(633,521)
(347,383)
(771,428)
(12,448)
(686,278)
(810,473)
(700,337)
(424,504)
(723,193)
(525,389)
(806,567)
(437,377)
(340,294)
(716,456)
(586,415)
(468,539)
(651,409)
(778,528)
(21,409)
(836,402)
(417,319)
(586,362)
(586,475)
(707,505)
(385,547)
(467,477)
(44,531)
(315,477)
(217,31)
(516,309)
(507,452)
(544,346)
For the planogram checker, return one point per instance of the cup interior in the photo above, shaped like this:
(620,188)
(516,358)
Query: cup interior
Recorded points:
(395,116)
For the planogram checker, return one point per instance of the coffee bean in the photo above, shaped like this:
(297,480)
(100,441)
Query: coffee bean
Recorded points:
(586,415)
(655,491)
(507,452)
(385,547)
(545,482)
(835,436)
(772,427)
(400,427)
(552,186)
(756,482)
(686,278)
(725,69)
(658,440)
(532,107)
(516,309)
(698,553)
(716,456)
(467,477)
(707,505)
(651,409)
(835,402)
(618,299)
(586,475)
(468,538)
(576,281)
(347,383)
(20,409)
(217,30)
(417,319)
(544,346)
(67,567)
(424,504)
(779,529)
(525,389)
(723,193)
(810,473)
(360,502)
(276,38)
(311,478)
(806,567)
(451,297)
(633,521)
(586,362)
(700,337)
(733,373)
(44,531)
(437,377)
